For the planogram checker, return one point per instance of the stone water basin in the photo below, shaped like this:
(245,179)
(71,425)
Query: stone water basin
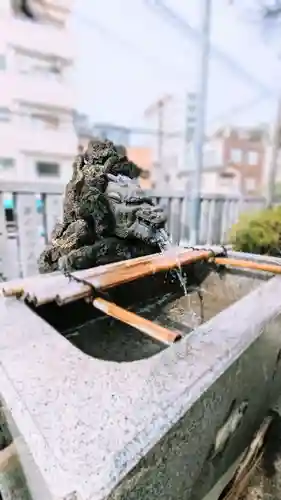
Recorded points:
(164,303)
(100,411)
(108,339)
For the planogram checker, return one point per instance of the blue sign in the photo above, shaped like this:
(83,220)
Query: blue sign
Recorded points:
(9,204)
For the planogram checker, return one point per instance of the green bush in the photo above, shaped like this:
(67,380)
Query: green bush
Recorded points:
(258,232)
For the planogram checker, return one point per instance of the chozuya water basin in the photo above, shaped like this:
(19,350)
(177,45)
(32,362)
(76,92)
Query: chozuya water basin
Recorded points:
(100,411)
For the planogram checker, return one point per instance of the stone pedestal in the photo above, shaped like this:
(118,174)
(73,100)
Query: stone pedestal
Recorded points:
(168,426)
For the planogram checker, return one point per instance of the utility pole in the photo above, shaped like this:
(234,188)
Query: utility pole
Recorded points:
(160,107)
(275,147)
(200,124)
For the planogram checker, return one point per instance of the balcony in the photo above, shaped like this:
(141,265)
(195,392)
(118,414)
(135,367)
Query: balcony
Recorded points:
(58,143)
(8,143)
(16,139)
(7,91)
(36,90)
(35,37)
(51,11)
(39,90)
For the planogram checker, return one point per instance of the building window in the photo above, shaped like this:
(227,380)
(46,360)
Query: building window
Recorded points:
(6,163)
(253,158)
(256,135)
(22,8)
(5,115)
(183,174)
(47,169)
(2,62)
(49,68)
(192,96)
(210,158)
(236,155)
(44,118)
(243,134)
(39,11)
(190,131)
(226,179)
(191,108)
(250,184)
(33,64)
(44,121)
(191,120)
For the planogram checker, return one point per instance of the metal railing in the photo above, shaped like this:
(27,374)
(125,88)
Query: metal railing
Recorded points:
(23,238)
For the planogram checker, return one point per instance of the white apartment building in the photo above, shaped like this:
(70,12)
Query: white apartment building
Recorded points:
(173,118)
(37,135)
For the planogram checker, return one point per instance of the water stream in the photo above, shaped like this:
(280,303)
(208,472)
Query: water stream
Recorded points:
(165,244)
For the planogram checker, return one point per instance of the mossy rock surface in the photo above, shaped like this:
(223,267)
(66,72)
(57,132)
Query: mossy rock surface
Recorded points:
(258,232)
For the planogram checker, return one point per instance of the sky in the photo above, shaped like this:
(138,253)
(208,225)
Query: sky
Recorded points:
(128,55)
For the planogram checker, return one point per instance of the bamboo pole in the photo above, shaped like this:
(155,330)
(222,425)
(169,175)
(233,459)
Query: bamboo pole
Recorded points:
(67,291)
(157,332)
(26,286)
(17,287)
(162,262)
(247,264)
(57,287)
(40,290)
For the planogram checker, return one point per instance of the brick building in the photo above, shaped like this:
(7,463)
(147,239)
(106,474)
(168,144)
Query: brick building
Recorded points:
(234,162)
(244,150)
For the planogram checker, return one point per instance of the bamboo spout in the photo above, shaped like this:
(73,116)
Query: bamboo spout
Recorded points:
(249,264)
(157,332)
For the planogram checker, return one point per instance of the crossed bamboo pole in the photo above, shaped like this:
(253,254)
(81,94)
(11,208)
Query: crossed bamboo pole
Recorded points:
(122,275)
(54,288)
(107,277)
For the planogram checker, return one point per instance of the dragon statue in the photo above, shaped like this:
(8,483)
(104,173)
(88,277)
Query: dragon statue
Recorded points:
(107,217)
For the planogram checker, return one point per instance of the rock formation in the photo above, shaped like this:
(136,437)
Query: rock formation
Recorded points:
(106,216)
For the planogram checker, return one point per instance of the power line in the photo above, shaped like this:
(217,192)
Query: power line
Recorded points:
(240,108)
(126,44)
(222,56)
(184,27)
(237,109)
